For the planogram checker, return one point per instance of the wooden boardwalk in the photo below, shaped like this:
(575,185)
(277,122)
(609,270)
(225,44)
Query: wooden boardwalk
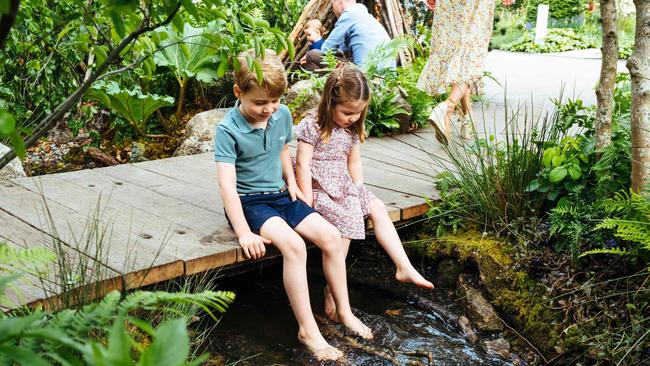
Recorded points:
(163,219)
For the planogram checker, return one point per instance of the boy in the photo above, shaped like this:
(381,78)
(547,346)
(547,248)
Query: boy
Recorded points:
(252,158)
(314,33)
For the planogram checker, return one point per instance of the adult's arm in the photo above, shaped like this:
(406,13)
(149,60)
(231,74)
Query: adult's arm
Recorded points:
(336,38)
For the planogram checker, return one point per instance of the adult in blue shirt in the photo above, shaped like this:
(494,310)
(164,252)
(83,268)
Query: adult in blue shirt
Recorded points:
(356,32)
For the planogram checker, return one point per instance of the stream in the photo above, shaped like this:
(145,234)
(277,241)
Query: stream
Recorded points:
(259,327)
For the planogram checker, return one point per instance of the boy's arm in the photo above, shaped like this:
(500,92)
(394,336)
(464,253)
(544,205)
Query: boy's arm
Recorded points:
(354,165)
(303,171)
(289,177)
(251,243)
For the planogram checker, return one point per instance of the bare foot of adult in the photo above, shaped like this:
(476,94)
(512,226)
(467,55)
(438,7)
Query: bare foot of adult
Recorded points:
(413,276)
(330,306)
(354,324)
(322,350)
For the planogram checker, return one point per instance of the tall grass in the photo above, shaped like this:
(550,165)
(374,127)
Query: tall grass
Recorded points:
(491,173)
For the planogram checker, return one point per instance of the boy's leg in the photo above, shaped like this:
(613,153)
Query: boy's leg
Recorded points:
(390,241)
(294,276)
(330,305)
(325,236)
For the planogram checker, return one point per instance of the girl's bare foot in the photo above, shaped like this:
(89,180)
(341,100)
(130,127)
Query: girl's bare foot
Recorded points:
(354,324)
(330,306)
(413,276)
(317,345)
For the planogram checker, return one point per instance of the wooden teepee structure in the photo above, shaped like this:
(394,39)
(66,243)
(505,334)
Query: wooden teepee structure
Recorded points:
(390,14)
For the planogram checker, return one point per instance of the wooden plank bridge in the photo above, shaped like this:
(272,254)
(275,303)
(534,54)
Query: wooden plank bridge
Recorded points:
(158,220)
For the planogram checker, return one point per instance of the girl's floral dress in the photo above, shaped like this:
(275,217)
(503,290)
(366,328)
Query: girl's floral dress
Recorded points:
(460,37)
(336,197)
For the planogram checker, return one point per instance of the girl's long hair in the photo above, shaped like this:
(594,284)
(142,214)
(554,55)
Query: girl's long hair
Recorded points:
(346,83)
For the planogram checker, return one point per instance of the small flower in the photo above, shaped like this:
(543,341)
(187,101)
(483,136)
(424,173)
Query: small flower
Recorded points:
(611,243)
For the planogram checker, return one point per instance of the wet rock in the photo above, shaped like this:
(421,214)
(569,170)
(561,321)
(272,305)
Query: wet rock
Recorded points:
(199,132)
(302,97)
(12,170)
(466,327)
(498,346)
(447,272)
(137,153)
(478,309)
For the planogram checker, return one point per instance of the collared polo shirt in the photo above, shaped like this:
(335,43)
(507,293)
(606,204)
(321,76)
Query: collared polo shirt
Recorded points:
(255,152)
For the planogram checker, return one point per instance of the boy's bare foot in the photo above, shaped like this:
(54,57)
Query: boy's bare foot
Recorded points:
(330,306)
(322,350)
(354,324)
(413,276)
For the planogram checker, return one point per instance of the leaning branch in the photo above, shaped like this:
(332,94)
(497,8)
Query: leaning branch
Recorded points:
(50,120)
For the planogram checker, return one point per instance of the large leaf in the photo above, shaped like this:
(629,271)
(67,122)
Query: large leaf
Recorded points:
(170,347)
(132,105)
(190,53)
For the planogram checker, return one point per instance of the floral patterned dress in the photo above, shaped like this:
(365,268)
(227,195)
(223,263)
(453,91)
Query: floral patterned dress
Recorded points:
(336,197)
(460,37)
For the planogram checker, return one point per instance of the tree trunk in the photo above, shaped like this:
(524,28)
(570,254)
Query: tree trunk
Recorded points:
(639,66)
(7,20)
(605,90)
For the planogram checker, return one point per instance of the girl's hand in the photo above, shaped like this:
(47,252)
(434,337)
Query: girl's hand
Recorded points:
(295,192)
(508,2)
(253,245)
(431,4)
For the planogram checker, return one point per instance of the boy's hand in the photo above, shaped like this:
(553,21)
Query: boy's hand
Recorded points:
(295,193)
(431,4)
(253,245)
(303,60)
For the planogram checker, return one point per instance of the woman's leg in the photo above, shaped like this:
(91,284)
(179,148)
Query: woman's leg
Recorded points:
(390,241)
(466,102)
(294,277)
(325,236)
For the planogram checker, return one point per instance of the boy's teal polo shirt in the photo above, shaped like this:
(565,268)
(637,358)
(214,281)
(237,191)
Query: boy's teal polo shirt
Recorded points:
(255,152)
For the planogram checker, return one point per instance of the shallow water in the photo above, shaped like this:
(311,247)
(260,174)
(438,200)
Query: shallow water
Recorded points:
(259,328)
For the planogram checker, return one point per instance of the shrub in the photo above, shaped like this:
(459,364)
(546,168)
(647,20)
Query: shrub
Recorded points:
(558,9)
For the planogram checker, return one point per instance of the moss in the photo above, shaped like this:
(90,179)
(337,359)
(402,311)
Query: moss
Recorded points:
(513,292)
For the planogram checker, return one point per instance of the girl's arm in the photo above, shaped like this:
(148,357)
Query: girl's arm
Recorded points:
(289,177)
(303,172)
(354,165)
(251,243)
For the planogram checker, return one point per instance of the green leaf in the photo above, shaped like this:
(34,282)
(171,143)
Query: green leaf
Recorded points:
(532,186)
(548,156)
(258,72)
(7,123)
(119,344)
(191,8)
(557,174)
(557,160)
(118,23)
(223,67)
(574,172)
(4,6)
(101,54)
(17,144)
(178,22)
(170,347)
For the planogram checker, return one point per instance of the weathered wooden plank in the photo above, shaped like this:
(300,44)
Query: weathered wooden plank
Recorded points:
(375,152)
(133,259)
(98,279)
(217,247)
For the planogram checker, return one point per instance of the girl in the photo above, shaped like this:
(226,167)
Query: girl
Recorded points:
(328,167)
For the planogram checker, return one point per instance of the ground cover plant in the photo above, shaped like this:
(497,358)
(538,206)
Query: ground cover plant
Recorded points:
(571,226)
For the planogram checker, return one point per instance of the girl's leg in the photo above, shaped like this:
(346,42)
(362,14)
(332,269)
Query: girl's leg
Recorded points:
(325,236)
(466,101)
(390,241)
(294,276)
(330,305)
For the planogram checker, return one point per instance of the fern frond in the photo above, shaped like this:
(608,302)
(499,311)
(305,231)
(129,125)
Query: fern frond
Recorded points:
(31,260)
(206,300)
(617,251)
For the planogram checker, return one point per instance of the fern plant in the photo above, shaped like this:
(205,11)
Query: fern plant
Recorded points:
(14,264)
(633,228)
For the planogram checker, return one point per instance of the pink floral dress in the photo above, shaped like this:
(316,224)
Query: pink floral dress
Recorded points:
(336,197)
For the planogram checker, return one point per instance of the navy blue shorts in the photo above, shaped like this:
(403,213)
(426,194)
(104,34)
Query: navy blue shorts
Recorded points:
(260,207)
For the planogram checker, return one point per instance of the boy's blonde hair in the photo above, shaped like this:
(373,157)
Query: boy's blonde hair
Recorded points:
(345,84)
(274,76)
(316,25)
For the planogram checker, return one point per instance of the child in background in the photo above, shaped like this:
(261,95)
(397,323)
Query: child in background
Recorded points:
(314,32)
(329,172)
(262,200)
